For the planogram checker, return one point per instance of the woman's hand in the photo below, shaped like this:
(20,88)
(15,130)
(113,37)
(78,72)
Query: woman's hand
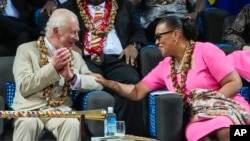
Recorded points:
(100,79)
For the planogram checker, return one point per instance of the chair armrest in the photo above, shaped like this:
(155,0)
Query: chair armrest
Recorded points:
(93,100)
(168,117)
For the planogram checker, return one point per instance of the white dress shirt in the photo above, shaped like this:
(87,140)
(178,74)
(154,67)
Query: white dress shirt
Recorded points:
(10,10)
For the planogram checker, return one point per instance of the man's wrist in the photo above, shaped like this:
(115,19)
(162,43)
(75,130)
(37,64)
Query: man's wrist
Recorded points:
(72,78)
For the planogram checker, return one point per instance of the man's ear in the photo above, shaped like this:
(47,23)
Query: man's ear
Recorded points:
(56,31)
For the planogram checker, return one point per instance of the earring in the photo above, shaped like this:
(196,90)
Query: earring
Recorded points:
(175,41)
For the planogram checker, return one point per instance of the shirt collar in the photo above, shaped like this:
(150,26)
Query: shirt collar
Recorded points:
(49,45)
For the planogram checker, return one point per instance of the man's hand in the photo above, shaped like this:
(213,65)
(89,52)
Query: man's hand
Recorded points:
(49,7)
(66,72)
(131,54)
(61,58)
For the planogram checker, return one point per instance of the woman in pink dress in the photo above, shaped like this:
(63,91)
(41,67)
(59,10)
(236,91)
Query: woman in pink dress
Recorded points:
(190,65)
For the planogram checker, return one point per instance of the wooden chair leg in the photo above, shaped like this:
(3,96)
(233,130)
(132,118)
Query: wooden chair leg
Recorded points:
(82,128)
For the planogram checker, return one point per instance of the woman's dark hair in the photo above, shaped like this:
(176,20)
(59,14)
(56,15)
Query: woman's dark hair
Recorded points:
(188,26)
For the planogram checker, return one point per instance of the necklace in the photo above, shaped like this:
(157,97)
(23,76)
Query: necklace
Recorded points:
(3,5)
(110,12)
(54,102)
(180,88)
(178,67)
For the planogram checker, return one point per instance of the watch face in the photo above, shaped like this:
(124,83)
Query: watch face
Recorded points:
(138,46)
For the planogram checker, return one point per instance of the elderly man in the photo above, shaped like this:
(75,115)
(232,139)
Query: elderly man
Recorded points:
(45,72)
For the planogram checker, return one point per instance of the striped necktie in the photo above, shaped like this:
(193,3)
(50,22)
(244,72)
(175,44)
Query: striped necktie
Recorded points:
(95,39)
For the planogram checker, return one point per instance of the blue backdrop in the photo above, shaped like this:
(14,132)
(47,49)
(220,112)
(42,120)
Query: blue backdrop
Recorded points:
(232,6)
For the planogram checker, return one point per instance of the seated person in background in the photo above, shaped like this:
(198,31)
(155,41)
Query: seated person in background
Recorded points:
(186,63)
(14,29)
(238,34)
(153,10)
(17,20)
(51,5)
(111,49)
(45,72)
(42,13)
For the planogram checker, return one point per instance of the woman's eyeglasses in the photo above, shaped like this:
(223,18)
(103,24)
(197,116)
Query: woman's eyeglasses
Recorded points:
(158,35)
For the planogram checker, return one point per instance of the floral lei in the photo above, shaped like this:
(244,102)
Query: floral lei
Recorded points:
(53,102)
(187,65)
(110,12)
(3,5)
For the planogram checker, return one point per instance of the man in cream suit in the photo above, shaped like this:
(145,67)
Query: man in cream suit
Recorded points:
(45,72)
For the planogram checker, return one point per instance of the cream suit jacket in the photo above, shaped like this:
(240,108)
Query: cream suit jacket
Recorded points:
(31,78)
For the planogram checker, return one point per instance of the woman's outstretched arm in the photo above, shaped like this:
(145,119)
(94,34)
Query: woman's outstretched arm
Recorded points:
(134,92)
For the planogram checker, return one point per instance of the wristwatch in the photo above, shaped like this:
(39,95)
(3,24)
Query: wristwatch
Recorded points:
(137,46)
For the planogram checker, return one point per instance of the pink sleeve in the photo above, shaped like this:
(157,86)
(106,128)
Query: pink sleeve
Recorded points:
(241,61)
(154,79)
(216,61)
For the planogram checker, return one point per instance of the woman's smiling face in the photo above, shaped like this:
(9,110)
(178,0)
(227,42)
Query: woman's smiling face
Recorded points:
(164,39)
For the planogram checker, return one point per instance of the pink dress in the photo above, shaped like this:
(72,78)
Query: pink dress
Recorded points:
(210,66)
(241,61)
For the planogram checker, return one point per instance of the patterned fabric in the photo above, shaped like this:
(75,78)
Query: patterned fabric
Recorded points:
(209,104)
(238,33)
(150,10)
(95,40)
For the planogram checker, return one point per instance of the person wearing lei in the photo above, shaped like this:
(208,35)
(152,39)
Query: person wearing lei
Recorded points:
(46,71)
(17,24)
(120,40)
(207,79)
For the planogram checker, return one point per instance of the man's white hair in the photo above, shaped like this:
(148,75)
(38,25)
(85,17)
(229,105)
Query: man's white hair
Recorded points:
(59,19)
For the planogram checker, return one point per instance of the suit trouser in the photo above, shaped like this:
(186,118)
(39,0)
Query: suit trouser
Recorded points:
(129,111)
(64,129)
